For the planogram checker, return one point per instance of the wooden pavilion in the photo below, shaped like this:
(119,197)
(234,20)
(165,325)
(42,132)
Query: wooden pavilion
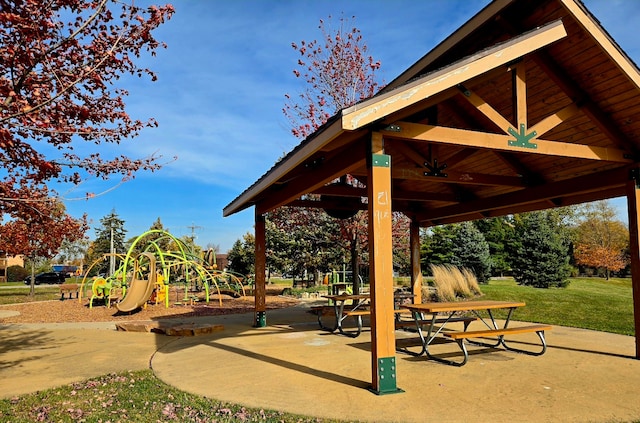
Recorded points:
(529,105)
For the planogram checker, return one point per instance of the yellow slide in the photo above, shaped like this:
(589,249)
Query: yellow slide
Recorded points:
(139,290)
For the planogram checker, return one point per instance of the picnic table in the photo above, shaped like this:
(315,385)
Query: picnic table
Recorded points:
(346,305)
(443,313)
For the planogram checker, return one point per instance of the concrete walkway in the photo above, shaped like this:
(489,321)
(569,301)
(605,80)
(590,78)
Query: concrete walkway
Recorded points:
(292,366)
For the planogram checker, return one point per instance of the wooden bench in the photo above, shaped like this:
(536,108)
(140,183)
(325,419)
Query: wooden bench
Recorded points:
(356,312)
(69,288)
(401,324)
(497,332)
(460,337)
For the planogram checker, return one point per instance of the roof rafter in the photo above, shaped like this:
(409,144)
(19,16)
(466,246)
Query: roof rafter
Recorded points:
(575,186)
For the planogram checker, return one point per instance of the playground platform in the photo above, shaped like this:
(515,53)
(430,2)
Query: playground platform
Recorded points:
(293,366)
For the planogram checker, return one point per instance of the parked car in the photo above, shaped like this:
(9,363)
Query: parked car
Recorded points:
(46,277)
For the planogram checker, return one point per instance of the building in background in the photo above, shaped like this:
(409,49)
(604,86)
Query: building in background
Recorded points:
(8,261)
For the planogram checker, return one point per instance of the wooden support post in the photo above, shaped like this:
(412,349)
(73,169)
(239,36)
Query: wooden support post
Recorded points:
(633,206)
(260,267)
(520,95)
(416,271)
(383,345)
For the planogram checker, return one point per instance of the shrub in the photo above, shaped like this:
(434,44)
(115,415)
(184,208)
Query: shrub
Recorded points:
(452,283)
(472,281)
(16,273)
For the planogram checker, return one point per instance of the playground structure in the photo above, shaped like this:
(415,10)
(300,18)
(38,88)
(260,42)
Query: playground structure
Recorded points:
(147,270)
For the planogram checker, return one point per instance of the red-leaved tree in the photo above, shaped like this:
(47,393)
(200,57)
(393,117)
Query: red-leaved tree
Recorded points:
(338,73)
(59,63)
(40,239)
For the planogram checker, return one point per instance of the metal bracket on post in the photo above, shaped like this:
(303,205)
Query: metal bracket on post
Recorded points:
(387,382)
(380,160)
(261,319)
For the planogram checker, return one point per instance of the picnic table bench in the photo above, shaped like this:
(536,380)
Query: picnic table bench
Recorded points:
(69,288)
(359,308)
(493,330)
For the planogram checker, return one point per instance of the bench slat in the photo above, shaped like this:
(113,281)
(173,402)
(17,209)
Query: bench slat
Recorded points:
(357,313)
(497,332)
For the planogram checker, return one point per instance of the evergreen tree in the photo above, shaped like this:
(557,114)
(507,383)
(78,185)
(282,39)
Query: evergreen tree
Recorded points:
(499,233)
(461,245)
(241,255)
(437,245)
(470,250)
(111,225)
(541,255)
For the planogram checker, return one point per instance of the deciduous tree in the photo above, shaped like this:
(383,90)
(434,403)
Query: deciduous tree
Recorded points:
(60,61)
(601,239)
(42,238)
(338,72)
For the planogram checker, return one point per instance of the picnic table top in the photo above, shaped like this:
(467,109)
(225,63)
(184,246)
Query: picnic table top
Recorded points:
(435,307)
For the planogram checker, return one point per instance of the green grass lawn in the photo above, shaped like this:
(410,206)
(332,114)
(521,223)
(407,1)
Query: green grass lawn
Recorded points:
(588,303)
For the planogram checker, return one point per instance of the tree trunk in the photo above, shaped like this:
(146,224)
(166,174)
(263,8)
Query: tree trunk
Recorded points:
(32,285)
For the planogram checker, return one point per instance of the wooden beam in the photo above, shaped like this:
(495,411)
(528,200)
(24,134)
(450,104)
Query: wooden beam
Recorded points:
(381,106)
(298,156)
(563,201)
(416,157)
(633,207)
(529,207)
(465,137)
(325,204)
(486,109)
(260,268)
(510,159)
(455,177)
(520,91)
(594,29)
(588,107)
(341,191)
(575,186)
(383,344)
(324,173)
(550,122)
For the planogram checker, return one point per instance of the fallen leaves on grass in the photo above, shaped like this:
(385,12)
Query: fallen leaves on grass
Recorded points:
(131,396)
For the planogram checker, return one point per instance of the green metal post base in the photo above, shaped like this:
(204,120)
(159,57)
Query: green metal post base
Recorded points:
(261,319)
(386,377)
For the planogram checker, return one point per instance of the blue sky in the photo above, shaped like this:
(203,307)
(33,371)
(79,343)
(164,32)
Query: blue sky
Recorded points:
(220,92)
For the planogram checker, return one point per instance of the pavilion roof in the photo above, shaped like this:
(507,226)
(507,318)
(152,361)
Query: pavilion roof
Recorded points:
(529,105)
